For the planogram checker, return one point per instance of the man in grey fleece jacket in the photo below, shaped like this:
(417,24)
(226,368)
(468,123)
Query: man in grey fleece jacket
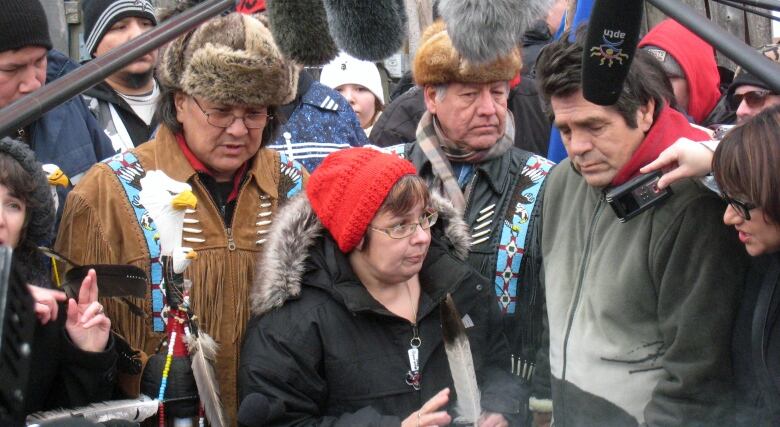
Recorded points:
(640,313)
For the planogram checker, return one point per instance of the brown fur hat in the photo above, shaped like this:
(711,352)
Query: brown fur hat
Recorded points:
(232,60)
(437,62)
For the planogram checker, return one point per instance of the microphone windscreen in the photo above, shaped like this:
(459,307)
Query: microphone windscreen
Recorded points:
(612,37)
(368,30)
(484,30)
(300,29)
(253,411)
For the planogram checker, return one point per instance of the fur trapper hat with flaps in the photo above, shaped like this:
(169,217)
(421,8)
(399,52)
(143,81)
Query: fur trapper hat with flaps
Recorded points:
(438,62)
(232,60)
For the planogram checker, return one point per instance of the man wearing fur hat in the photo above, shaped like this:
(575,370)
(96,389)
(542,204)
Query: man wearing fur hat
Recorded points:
(464,149)
(220,85)
(124,103)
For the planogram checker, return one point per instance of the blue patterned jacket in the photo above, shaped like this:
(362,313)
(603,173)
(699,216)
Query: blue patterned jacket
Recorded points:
(321,123)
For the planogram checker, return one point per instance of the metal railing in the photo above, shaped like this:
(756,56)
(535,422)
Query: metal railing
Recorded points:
(27,109)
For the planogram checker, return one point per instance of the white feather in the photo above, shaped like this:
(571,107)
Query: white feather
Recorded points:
(135,410)
(464,377)
(203,351)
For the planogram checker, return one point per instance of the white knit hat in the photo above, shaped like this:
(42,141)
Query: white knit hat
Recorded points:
(348,70)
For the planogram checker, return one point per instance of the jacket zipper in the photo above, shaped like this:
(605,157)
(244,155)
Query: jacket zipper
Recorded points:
(229,230)
(585,258)
(416,335)
(231,243)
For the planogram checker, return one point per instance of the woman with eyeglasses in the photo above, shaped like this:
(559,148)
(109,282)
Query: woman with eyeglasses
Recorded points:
(347,303)
(220,85)
(745,167)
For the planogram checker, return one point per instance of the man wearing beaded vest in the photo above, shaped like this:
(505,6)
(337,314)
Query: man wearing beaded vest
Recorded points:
(220,85)
(464,148)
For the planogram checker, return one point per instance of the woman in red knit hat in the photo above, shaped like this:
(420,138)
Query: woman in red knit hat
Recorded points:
(347,328)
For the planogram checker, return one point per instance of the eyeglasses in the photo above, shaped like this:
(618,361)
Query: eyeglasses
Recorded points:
(742,208)
(403,231)
(754,99)
(223,119)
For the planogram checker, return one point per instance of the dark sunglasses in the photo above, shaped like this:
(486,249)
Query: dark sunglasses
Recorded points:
(754,98)
(743,208)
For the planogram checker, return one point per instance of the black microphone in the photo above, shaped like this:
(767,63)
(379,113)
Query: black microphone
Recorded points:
(613,35)
(368,30)
(254,411)
(300,30)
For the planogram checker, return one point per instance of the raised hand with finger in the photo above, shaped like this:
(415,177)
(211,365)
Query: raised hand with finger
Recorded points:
(86,325)
(430,413)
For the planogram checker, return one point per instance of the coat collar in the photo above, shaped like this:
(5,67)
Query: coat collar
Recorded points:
(332,273)
(295,232)
(494,171)
(180,169)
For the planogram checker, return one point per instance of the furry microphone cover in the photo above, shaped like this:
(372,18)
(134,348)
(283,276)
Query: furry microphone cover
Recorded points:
(300,29)
(368,30)
(483,30)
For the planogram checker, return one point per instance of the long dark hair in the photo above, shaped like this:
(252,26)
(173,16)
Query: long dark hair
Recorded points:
(559,74)
(745,163)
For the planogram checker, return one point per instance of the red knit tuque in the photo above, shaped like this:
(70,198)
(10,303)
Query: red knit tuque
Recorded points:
(349,187)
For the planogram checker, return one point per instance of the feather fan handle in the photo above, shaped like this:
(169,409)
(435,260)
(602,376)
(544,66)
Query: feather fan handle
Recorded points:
(135,410)
(461,362)
(203,352)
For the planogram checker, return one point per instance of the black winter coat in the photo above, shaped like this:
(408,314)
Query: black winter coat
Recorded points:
(332,355)
(536,37)
(61,375)
(756,345)
(495,184)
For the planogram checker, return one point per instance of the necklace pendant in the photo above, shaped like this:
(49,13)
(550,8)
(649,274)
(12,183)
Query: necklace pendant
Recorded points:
(413,375)
(413,378)
(414,359)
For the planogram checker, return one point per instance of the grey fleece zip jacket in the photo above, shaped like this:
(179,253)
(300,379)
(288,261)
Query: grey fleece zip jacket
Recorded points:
(640,313)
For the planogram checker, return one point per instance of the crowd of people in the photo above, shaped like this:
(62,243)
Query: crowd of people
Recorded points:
(322,229)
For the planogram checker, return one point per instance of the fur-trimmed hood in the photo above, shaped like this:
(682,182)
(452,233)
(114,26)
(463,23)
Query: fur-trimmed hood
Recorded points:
(295,230)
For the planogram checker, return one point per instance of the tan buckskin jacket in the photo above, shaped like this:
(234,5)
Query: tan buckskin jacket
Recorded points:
(99,227)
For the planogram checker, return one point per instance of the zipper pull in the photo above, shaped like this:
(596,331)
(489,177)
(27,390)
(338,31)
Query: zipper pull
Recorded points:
(231,243)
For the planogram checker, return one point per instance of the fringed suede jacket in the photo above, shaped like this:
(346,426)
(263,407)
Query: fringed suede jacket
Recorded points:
(324,352)
(101,225)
